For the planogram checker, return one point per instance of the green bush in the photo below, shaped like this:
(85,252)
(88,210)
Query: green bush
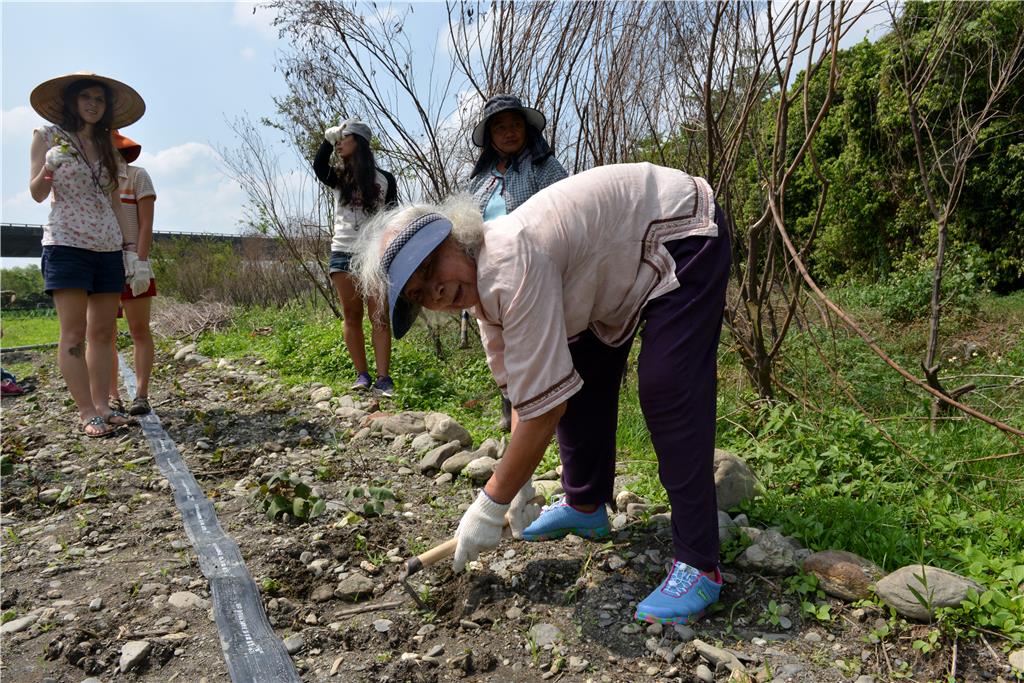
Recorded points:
(27,284)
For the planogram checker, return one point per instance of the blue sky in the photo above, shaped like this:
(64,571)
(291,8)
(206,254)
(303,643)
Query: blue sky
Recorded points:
(195,64)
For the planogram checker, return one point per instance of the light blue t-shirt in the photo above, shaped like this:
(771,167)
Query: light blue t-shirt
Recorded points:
(496,205)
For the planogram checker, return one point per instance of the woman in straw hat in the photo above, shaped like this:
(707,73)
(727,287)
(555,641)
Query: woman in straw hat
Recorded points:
(85,251)
(560,287)
(138,199)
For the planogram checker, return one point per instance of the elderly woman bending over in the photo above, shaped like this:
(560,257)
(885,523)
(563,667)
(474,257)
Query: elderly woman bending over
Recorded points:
(559,288)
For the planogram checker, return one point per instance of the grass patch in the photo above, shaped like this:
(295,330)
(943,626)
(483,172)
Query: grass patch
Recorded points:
(25,328)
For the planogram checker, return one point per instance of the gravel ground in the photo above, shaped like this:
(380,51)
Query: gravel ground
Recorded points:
(95,556)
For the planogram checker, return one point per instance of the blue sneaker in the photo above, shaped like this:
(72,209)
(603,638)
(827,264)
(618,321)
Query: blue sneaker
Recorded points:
(682,597)
(561,519)
(363,382)
(384,386)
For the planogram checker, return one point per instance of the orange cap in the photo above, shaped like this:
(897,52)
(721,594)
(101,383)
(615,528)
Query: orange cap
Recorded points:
(128,148)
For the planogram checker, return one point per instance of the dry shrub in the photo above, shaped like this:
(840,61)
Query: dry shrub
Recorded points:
(174,318)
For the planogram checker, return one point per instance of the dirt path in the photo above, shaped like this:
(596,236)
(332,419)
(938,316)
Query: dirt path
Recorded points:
(95,555)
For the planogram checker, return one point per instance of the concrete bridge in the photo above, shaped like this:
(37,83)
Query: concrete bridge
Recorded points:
(24,240)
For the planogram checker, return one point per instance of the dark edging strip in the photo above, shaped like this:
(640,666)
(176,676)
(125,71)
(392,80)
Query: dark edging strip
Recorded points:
(253,653)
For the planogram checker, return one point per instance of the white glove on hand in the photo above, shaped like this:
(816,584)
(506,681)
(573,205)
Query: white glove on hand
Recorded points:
(130,261)
(480,529)
(55,157)
(521,512)
(333,134)
(139,280)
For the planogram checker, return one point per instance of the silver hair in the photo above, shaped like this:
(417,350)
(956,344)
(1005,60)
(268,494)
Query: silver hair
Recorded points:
(371,278)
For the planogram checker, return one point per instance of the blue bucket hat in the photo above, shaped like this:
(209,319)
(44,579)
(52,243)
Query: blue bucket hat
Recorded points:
(406,251)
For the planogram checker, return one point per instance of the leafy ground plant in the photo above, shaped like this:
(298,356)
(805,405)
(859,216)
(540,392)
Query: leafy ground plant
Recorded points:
(285,493)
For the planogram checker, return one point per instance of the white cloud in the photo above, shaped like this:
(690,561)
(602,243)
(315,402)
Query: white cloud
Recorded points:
(248,54)
(255,16)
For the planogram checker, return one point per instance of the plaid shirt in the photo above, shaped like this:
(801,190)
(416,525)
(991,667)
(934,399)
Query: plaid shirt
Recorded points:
(522,181)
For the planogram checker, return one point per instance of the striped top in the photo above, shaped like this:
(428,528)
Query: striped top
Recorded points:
(135,184)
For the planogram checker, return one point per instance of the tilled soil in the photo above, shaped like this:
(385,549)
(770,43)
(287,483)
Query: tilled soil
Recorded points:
(93,546)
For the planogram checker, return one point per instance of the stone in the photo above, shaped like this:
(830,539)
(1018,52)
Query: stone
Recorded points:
(843,574)
(547,488)
(771,552)
(577,665)
(423,442)
(184,351)
(294,643)
(684,632)
(322,593)
(96,605)
(865,679)
(704,673)
(480,470)
(716,656)
(1017,660)
(321,394)
(354,587)
(734,481)
(187,600)
(49,496)
(619,521)
(19,624)
(350,413)
(444,428)
(726,527)
(432,461)
(382,625)
(490,448)
(544,634)
(812,637)
(626,497)
(402,423)
(133,654)
(940,588)
(458,462)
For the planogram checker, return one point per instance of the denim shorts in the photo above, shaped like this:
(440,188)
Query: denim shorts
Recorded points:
(340,262)
(97,272)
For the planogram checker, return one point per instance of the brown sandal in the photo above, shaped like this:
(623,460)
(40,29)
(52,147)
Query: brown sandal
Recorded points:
(116,404)
(97,423)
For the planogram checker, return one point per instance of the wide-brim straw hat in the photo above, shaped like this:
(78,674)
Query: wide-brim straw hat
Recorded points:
(506,102)
(129,149)
(48,98)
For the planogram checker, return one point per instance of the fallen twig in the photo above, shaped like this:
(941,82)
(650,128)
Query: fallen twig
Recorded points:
(370,607)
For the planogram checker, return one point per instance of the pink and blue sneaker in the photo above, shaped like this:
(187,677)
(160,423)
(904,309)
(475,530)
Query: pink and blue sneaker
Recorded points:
(561,519)
(682,597)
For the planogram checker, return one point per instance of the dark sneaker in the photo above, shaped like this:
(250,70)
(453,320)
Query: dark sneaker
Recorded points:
(682,597)
(363,382)
(140,406)
(384,386)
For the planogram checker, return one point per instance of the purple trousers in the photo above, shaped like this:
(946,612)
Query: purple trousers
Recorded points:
(678,384)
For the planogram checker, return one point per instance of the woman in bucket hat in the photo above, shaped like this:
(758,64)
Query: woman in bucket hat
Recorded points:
(515,163)
(138,198)
(560,287)
(75,162)
(360,190)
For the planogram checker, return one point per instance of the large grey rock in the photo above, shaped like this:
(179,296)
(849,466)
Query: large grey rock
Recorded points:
(321,394)
(734,481)
(432,461)
(354,587)
(458,462)
(491,448)
(294,643)
(771,552)
(423,442)
(842,574)
(480,470)
(184,351)
(49,496)
(1017,660)
(444,428)
(547,488)
(19,624)
(544,634)
(716,655)
(937,587)
(402,423)
(133,654)
(187,600)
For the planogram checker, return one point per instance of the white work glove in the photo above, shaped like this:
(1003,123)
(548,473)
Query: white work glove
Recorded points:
(522,512)
(55,157)
(479,530)
(139,280)
(333,134)
(130,261)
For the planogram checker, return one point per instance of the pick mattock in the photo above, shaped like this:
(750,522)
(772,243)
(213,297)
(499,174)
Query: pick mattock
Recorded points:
(438,553)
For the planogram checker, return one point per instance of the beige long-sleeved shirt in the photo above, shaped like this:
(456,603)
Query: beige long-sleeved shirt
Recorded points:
(585,253)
